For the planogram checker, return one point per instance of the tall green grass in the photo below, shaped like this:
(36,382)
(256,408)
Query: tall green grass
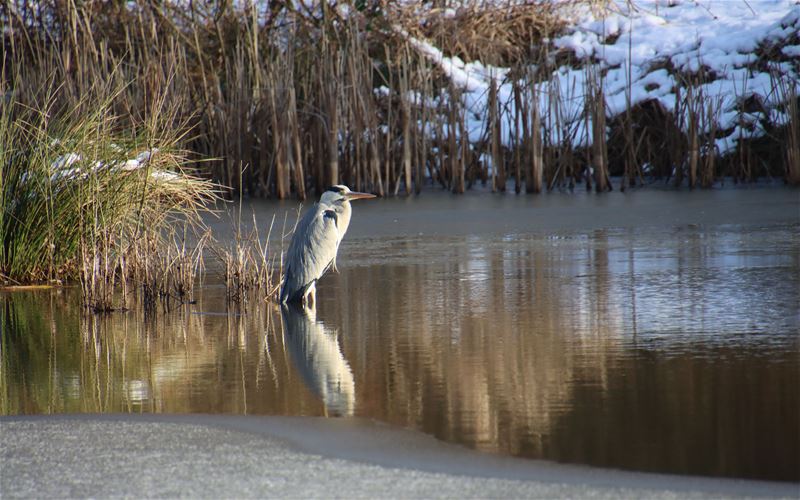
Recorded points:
(76,203)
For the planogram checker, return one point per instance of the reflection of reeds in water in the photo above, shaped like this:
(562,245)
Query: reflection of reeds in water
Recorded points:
(529,348)
(477,362)
(470,358)
(318,357)
(56,360)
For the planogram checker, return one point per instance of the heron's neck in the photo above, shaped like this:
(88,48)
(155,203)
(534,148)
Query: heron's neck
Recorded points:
(344,217)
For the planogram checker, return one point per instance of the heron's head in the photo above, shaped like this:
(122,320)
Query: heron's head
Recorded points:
(340,194)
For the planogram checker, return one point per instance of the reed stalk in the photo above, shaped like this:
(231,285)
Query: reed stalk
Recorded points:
(793,137)
(695,99)
(495,134)
(786,90)
(536,151)
(596,122)
(251,270)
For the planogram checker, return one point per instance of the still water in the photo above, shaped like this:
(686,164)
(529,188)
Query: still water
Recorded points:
(615,331)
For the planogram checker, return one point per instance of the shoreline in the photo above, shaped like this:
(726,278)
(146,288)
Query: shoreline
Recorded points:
(119,454)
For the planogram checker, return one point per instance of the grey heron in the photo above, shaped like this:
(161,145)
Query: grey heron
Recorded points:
(315,243)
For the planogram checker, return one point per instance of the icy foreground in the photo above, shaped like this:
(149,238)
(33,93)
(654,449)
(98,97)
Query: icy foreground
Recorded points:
(209,456)
(731,50)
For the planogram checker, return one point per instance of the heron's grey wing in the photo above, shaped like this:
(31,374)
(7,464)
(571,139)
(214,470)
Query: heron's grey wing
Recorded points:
(311,251)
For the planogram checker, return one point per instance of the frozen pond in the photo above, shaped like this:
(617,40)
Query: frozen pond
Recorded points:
(652,330)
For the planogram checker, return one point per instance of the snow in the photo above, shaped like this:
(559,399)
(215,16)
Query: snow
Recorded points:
(163,175)
(63,170)
(145,156)
(633,45)
(64,161)
(791,50)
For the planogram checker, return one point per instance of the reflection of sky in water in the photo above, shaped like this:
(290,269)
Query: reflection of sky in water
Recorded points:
(136,391)
(714,287)
(72,385)
(675,287)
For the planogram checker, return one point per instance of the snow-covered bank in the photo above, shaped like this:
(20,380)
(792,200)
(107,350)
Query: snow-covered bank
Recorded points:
(729,52)
(736,49)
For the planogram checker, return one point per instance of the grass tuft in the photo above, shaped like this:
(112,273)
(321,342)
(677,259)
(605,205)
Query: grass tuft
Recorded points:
(85,198)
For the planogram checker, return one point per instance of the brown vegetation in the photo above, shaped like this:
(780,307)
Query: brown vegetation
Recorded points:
(284,99)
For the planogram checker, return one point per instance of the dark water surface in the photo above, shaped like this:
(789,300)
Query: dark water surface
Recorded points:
(652,330)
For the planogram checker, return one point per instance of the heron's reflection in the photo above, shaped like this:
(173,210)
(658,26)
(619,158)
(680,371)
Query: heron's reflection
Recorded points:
(317,355)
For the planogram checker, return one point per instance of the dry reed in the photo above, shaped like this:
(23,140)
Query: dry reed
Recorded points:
(251,270)
(287,99)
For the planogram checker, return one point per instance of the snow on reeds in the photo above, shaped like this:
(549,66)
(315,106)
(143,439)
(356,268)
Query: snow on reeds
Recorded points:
(647,62)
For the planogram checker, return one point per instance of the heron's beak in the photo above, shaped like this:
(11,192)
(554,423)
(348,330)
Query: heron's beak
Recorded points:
(355,195)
